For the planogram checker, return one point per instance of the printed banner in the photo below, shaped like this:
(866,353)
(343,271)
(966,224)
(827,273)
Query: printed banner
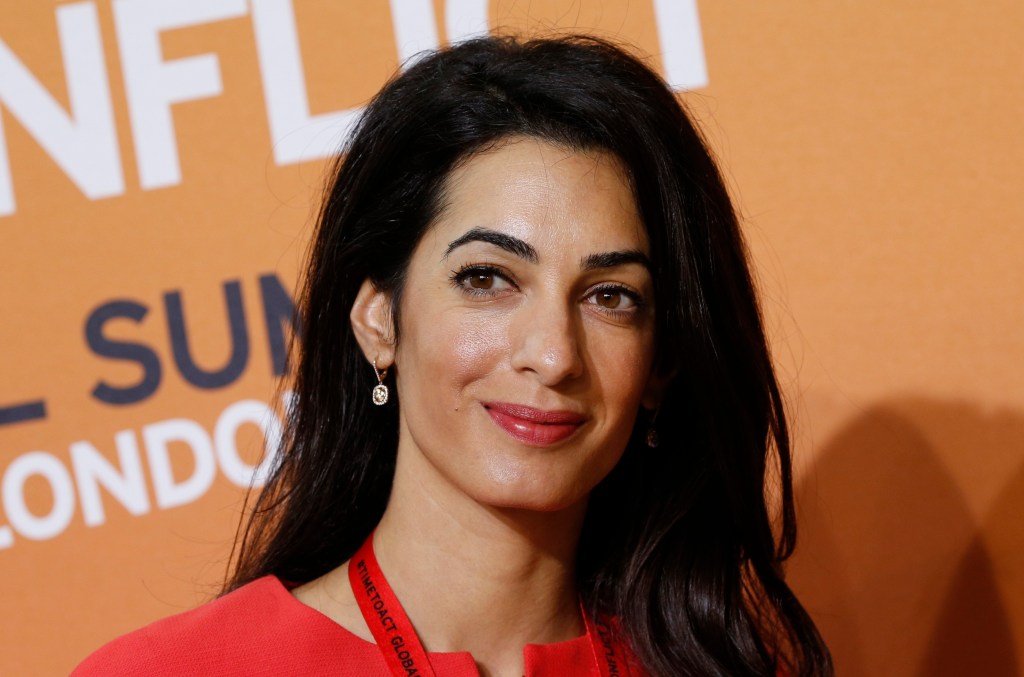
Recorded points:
(161,162)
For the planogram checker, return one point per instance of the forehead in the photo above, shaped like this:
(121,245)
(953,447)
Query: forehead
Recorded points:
(559,200)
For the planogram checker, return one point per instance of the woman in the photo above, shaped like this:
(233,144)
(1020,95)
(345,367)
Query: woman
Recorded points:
(534,405)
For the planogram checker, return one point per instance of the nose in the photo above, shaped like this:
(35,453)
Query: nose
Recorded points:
(546,341)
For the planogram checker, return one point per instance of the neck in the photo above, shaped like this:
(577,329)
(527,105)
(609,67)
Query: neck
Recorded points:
(479,579)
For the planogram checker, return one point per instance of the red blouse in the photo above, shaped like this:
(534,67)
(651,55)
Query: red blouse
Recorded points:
(261,629)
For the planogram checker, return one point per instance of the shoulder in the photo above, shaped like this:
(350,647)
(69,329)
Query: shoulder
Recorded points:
(241,633)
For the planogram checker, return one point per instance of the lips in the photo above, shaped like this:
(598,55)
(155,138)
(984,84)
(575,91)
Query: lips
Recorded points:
(534,427)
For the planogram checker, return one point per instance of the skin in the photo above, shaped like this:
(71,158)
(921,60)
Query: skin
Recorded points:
(552,326)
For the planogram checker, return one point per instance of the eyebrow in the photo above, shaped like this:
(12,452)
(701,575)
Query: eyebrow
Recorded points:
(525,250)
(616,258)
(512,245)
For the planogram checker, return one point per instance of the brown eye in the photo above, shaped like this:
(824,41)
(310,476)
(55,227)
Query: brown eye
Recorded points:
(481,281)
(615,299)
(608,299)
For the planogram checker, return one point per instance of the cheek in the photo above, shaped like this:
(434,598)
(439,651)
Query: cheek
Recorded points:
(439,357)
(476,342)
(621,368)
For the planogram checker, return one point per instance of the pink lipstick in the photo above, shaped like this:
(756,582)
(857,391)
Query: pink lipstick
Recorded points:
(534,427)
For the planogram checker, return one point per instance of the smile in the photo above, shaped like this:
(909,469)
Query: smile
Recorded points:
(534,427)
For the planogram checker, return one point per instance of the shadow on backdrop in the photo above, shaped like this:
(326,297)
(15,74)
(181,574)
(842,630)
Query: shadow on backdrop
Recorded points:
(898,573)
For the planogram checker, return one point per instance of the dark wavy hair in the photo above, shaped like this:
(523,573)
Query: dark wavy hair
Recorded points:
(683,544)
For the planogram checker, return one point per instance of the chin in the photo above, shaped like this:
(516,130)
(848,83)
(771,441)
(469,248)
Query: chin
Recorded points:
(525,493)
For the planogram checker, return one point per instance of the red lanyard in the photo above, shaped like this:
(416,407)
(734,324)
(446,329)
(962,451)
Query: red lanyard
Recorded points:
(608,652)
(388,623)
(397,640)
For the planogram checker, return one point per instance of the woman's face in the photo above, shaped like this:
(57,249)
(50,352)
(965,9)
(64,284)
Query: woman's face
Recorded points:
(527,323)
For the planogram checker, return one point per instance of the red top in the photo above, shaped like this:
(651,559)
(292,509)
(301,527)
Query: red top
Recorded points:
(261,629)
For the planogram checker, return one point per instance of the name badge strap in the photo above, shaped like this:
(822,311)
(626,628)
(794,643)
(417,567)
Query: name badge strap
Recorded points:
(609,653)
(391,628)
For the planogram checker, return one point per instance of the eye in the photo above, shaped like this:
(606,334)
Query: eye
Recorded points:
(611,299)
(615,299)
(481,280)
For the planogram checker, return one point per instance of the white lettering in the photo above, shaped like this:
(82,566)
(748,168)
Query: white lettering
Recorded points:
(224,437)
(415,28)
(83,139)
(84,143)
(465,19)
(415,24)
(63,509)
(296,135)
(152,84)
(290,400)
(92,469)
(157,436)
(165,441)
(682,48)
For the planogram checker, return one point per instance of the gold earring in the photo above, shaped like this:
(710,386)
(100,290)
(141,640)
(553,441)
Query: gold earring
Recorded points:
(380,391)
(652,433)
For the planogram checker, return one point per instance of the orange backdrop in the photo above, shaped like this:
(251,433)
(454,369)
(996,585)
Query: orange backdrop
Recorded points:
(160,162)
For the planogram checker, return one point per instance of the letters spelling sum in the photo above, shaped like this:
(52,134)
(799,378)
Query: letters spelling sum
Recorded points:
(278,309)
(82,140)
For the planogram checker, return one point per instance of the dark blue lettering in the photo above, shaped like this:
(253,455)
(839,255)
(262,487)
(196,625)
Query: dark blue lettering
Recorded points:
(278,308)
(122,350)
(229,373)
(19,413)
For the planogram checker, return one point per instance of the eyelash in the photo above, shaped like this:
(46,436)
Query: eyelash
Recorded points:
(459,280)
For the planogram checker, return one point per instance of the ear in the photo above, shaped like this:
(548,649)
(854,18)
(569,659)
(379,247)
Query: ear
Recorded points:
(371,323)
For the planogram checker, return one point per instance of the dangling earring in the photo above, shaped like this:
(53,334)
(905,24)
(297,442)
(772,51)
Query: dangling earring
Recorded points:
(380,391)
(652,433)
